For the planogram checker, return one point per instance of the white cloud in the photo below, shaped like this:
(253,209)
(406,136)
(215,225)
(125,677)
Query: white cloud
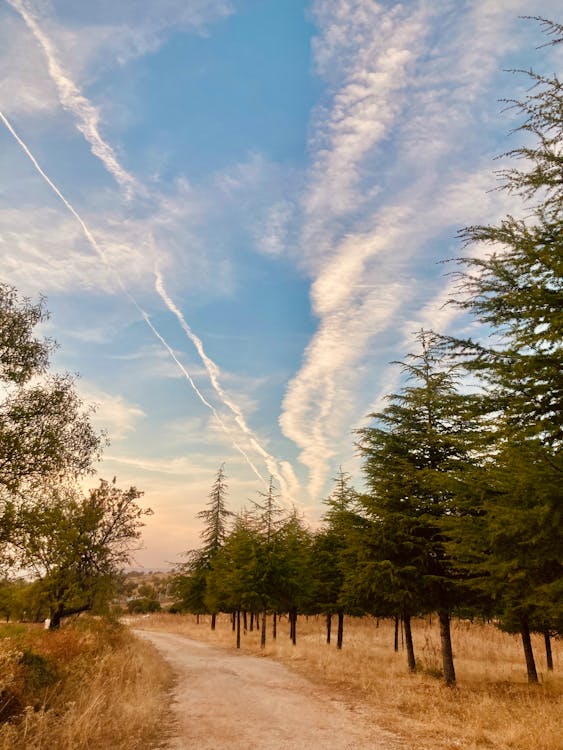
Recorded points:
(71,98)
(113,412)
(25,86)
(406,131)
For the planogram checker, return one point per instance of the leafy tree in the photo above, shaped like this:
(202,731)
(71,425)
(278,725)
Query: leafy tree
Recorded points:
(45,429)
(13,598)
(144,605)
(21,355)
(76,544)
(415,458)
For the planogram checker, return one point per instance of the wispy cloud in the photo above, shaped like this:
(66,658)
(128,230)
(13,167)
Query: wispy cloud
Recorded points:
(71,98)
(214,374)
(113,412)
(144,315)
(87,118)
(400,160)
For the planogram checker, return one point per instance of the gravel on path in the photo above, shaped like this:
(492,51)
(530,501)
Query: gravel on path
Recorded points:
(226,700)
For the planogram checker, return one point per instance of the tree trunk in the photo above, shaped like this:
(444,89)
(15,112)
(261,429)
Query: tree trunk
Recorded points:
(238,628)
(197,619)
(528,651)
(56,617)
(57,614)
(213,620)
(233,621)
(396,640)
(548,652)
(447,653)
(263,631)
(411,661)
(251,621)
(328,626)
(402,634)
(340,630)
(275,626)
(293,625)
(244,621)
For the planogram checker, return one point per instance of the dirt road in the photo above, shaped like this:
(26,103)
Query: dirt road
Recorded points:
(226,700)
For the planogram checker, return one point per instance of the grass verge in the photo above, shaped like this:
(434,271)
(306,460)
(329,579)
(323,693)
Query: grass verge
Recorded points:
(88,685)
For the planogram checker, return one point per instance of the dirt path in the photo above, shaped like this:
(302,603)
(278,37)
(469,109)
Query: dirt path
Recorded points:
(226,700)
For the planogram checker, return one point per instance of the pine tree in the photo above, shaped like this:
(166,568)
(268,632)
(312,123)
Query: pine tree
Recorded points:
(215,517)
(269,520)
(415,459)
(191,583)
(233,582)
(515,292)
(333,556)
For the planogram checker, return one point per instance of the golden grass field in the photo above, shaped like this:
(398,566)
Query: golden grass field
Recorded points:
(492,705)
(89,685)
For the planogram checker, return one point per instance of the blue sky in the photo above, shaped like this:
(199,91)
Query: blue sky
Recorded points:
(236,210)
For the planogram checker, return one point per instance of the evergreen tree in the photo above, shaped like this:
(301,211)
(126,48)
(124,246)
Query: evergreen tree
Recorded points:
(294,583)
(512,530)
(415,459)
(333,557)
(269,520)
(233,583)
(191,582)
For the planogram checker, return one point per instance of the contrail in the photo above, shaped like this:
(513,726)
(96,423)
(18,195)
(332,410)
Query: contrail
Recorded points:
(87,115)
(75,102)
(201,396)
(93,242)
(214,373)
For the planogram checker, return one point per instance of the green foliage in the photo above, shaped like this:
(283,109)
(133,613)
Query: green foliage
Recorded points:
(509,538)
(45,431)
(21,355)
(191,583)
(142,606)
(334,551)
(77,544)
(510,541)
(516,290)
(416,458)
(215,517)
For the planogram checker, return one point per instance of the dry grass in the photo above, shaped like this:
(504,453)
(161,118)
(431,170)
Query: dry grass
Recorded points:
(93,686)
(491,707)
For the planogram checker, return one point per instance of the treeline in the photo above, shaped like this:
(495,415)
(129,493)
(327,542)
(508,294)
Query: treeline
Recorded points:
(462,508)
(61,549)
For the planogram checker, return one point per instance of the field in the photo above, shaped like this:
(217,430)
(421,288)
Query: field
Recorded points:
(492,705)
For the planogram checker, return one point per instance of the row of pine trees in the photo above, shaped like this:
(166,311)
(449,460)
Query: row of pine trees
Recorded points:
(461,514)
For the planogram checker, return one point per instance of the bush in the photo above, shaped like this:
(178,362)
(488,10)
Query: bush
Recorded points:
(143,606)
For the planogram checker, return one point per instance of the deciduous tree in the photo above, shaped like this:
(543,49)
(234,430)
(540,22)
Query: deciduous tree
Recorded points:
(76,544)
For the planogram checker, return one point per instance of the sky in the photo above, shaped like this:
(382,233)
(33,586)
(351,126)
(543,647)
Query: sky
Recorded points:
(237,211)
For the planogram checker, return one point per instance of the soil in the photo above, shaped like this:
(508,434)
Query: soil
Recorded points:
(226,700)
